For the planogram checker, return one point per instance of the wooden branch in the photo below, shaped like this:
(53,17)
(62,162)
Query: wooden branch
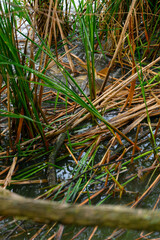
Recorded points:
(106,215)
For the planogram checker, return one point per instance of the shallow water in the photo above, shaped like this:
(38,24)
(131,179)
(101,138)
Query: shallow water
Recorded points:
(134,188)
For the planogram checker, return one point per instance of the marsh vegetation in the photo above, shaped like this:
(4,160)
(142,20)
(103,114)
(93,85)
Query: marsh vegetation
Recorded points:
(87,73)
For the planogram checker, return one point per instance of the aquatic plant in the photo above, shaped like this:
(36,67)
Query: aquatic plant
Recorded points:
(103,128)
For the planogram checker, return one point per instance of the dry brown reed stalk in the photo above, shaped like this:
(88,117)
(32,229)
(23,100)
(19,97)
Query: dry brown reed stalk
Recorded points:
(98,192)
(115,89)
(91,134)
(20,125)
(132,50)
(111,97)
(118,87)
(138,113)
(62,98)
(52,25)
(93,232)
(157,128)
(5,170)
(42,54)
(106,159)
(38,232)
(54,29)
(136,138)
(59,58)
(21,182)
(97,142)
(132,113)
(65,45)
(10,173)
(119,44)
(147,192)
(70,152)
(4,153)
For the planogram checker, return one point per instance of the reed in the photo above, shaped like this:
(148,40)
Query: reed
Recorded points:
(38,106)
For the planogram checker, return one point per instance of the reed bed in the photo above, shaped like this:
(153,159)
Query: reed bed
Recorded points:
(106,128)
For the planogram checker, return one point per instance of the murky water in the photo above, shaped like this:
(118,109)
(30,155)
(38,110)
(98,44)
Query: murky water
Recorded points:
(133,189)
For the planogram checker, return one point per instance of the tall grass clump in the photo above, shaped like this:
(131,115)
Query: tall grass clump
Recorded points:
(87,22)
(143,23)
(16,79)
(21,77)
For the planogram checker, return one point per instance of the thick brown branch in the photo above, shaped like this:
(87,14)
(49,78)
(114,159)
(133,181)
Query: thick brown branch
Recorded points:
(106,215)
